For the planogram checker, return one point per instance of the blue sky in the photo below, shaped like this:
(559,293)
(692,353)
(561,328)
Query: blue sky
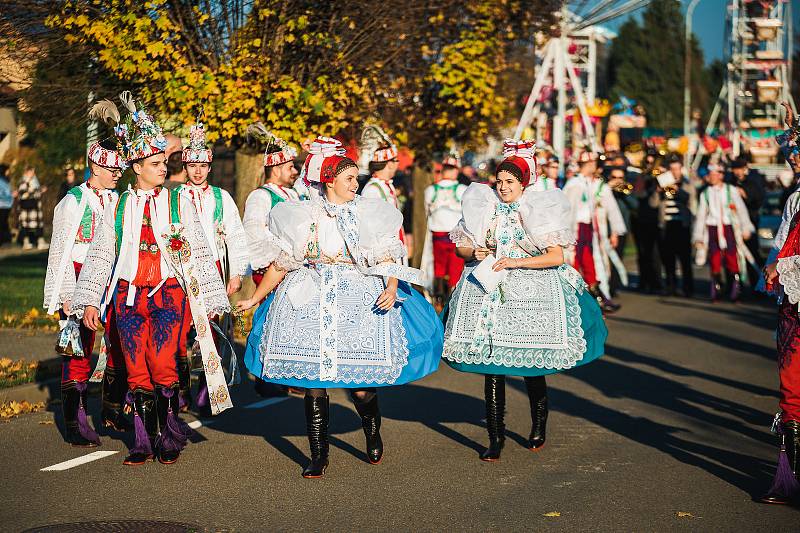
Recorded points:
(709,24)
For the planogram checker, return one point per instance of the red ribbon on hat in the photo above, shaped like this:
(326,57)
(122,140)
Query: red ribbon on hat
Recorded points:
(324,155)
(522,154)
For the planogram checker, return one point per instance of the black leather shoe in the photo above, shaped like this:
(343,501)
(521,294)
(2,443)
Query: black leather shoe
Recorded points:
(495,394)
(77,431)
(145,426)
(185,381)
(371,422)
(537,396)
(317,415)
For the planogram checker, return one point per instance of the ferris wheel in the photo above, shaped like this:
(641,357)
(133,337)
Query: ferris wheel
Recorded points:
(567,71)
(758,56)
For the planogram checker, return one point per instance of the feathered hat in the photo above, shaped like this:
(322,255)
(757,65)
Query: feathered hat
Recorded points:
(452,159)
(139,136)
(323,158)
(277,151)
(197,152)
(376,146)
(519,155)
(99,154)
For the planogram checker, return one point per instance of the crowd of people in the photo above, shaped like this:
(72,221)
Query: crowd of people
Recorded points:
(521,270)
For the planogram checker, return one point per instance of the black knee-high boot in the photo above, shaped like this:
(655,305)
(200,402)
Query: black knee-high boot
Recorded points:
(537,395)
(371,422)
(495,395)
(77,431)
(115,385)
(317,416)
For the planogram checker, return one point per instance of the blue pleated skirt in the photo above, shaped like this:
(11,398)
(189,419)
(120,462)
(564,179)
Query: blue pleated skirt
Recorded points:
(424,334)
(595,333)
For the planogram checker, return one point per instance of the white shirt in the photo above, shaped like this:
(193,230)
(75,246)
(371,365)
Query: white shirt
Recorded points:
(443,205)
(330,239)
(256,221)
(380,189)
(714,210)
(231,232)
(586,195)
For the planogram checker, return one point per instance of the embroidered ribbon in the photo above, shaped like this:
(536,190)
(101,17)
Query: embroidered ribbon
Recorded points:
(180,254)
(69,336)
(102,362)
(505,236)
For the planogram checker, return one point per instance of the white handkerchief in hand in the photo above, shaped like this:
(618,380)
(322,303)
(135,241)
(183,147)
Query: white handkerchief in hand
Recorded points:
(487,278)
(666,180)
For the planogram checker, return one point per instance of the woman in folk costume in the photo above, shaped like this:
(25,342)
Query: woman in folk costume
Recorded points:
(518,310)
(598,224)
(720,228)
(224,233)
(75,221)
(279,179)
(782,276)
(150,261)
(355,321)
(381,156)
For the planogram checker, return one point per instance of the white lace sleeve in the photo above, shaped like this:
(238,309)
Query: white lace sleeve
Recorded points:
(60,244)
(379,231)
(256,216)
(789,276)
(478,203)
(236,239)
(461,236)
(546,217)
(212,291)
(290,226)
(96,269)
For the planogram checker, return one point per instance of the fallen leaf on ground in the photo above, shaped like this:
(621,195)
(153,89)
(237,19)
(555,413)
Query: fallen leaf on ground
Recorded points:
(682,514)
(46,422)
(552,514)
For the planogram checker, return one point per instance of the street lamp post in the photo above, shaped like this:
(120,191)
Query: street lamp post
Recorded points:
(687,76)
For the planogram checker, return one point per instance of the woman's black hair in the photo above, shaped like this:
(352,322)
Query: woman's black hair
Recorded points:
(511,168)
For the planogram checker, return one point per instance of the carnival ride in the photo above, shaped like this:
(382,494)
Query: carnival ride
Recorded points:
(567,67)
(758,57)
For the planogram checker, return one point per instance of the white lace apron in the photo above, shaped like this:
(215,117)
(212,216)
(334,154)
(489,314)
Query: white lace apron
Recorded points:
(531,320)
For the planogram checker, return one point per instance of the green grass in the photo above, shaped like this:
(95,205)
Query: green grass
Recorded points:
(22,290)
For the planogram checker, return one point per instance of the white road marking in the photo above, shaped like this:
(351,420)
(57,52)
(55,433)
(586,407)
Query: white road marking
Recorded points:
(194,424)
(88,458)
(265,402)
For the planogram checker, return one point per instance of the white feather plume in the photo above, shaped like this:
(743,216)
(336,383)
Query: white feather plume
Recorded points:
(106,111)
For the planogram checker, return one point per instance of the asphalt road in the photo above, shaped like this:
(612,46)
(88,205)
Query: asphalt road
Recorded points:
(667,432)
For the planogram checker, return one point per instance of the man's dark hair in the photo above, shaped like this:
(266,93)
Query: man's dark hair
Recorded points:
(175,164)
(3,169)
(739,162)
(377,166)
(272,149)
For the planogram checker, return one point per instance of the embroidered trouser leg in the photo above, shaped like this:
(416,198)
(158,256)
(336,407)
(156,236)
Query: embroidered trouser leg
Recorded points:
(153,332)
(717,257)
(584,254)
(789,360)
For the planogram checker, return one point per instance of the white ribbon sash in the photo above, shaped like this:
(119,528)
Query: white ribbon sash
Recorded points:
(183,263)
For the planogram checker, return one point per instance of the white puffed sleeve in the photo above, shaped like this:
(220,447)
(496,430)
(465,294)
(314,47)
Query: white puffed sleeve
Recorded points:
(99,262)
(546,218)
(477,205)
(61,283)
(290,226)
(235,239)
(256,216)
(379,224)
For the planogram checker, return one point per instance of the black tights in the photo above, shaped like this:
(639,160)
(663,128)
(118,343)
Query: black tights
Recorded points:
(357,395)
(536,385)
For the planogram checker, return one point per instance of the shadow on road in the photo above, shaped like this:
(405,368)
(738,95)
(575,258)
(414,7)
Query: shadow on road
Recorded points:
(619,381)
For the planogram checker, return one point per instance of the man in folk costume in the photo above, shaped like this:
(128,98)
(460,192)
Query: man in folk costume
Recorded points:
(151,263)
(224,233)
(75,221)
(721,226)
(443,208)
(548,178)
(782,276)
(280,176)
(381,155)
(598,224)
